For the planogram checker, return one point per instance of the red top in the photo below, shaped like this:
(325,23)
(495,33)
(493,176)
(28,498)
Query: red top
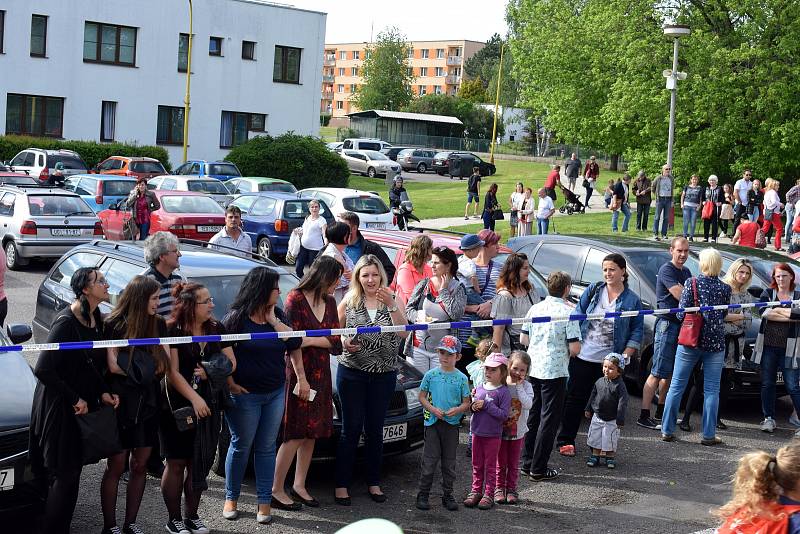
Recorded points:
(550,181)
(592,169)
(747,234)
(759,525)
(142,211)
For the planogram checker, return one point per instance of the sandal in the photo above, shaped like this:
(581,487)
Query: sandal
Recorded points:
(567,450)
(549,474)
(472,500)
(512,497)
(500,496)
(485,503)
(593,461)
(611,463)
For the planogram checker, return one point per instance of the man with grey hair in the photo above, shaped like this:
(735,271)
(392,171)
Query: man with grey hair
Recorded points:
(162,253)
(572,168)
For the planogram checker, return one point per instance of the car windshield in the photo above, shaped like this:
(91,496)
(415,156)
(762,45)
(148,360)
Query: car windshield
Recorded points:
(18,180)
(58,205)
(650,261)
(227,169)
(298,209)
(365,204)
(280,187)
(118,187)
(190,204)
(69,162)
(215,187)
(372,154)
(148,166)
(534,277)
(441,155)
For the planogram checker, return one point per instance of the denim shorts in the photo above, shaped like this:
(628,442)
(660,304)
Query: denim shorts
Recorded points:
(473,196)
(664,347)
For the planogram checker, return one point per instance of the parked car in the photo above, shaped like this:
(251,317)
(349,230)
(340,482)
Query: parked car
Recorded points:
(211,186)
(336,146)
(365,143)
(270,218)
(416,159)
(17,178)
(100,190)
(41,164)
(460,164)
(43,222)
(251,184)
(371,209)
(392,152)
(369,162)
(441,165)
(138,167)
(186,214)
(221,170)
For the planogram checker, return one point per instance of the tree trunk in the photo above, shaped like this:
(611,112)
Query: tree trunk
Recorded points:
(614,162)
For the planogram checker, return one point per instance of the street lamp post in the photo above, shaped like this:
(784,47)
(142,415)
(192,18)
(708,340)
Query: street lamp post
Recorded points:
(188,86)
(676,31)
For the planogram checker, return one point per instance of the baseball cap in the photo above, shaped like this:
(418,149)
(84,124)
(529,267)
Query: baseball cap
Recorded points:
(495,359)
(470,241)
(488,237)
(617,359)
(450,344)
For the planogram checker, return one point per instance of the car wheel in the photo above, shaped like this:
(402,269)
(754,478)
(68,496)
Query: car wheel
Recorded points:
(422,168)
(13,260)
(264,247)
(371,172)
(440,173)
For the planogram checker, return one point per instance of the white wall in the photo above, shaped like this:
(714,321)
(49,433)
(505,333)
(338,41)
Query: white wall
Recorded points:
(515,121)
(218,83)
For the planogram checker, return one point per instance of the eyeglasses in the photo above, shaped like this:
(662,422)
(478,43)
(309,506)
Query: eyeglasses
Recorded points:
(209,300)
(101,282)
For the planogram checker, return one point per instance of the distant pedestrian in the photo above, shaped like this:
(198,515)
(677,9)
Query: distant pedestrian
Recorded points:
(312,238)
(691,198)
(608,193)
(741,193)
(621,203)
(142,203)
(473,193)
(772,211)
(490,208)
(544,211)
(726,211)
(712,195)
(526,211)
(663,189)
(643,190)
(792,196)
(606,407)
(553,179)
(572,168)
(514,203)
(591,173)
(755,199)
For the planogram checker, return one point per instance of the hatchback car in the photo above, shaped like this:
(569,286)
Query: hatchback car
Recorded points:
(371,209)
(251,184)
(137,167)
(100,190)
(221,170)
(369,162)
(43,222)
(416,159)
(41,164)
(270,218)
(211,186)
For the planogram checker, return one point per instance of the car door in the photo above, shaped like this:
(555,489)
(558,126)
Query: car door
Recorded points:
(118,274)
(6,212)
(113,221)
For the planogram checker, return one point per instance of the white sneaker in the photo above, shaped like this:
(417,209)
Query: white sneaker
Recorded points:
(794,420)
(768,425)
(797,434)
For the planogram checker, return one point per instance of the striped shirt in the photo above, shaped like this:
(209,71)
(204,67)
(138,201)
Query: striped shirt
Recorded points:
(165,298)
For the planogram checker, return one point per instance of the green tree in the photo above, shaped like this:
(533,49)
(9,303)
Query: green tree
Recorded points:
(473,90)
(477,120)
(484,65)
(387,83)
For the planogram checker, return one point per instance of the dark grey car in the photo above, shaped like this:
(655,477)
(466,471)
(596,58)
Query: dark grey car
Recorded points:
(416,159)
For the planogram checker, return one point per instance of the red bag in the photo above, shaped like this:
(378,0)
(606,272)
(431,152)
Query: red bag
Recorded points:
(692,325)
(708,210)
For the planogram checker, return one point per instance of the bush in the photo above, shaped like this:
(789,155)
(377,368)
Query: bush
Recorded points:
(343,132)
(324,119)
(304,161)
(92,152)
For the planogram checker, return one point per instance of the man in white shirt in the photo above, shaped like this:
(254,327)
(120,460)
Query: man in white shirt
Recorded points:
(741,189)
(544,210)
(231,238)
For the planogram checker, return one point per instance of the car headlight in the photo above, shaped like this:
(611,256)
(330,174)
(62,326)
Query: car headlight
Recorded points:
(412,398)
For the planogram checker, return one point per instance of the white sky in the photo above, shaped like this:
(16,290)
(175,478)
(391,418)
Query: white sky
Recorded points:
(420,20)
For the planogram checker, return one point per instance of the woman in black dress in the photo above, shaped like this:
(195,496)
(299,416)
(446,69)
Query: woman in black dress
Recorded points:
(70,385)
(187,385)
(134,375)
(490,205)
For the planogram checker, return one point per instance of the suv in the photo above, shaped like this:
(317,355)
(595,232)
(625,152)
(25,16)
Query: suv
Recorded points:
(391,153)
(416,159)
(221,170)
(365,144)
(43,222)
(41,164)
(460,164)
(136,167)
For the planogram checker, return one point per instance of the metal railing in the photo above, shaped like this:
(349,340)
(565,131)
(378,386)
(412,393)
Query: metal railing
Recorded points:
(328,78)
(454,60)
(452,80)
(329,61)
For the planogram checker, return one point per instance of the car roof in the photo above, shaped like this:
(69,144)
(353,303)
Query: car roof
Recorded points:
(274,194)
(37,189)
(613,242)
(403,239)
(171,192)
(116,177)
(340,191)
(262,179)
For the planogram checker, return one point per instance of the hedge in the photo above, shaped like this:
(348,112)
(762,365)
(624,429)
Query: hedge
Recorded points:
(92,152)
(304,161)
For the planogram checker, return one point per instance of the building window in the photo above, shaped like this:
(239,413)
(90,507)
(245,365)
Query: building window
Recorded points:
(356,54)
(339,104)
(38,35)
(235,126)
(440,53)
(437,89)
(249,50)
(410,71)
(410,53)
(183,52)
(2,28)
(108,119)
(354,71)
(109,43)
(341,71)
(368,54)
(458,52)
(352,88)
(287,65)
(423,90)
(41,116)
(425,52)
(340,88)
(215,46)
(343,55)
(423,71)
(440,71)
(169,130)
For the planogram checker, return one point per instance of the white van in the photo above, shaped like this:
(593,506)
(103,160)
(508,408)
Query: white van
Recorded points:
(365,144)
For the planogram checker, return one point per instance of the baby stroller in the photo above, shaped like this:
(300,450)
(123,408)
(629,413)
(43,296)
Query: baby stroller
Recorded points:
(572,204)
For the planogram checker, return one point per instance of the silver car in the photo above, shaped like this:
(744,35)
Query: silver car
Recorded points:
(369,162)
(200,184)
(416,159)
(43,222)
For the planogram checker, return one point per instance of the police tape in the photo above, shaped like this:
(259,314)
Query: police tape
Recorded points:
(83,345)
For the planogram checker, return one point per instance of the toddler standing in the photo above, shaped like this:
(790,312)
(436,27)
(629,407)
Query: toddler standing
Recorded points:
(476,377)
(606,407)
(514,428)
(491,402)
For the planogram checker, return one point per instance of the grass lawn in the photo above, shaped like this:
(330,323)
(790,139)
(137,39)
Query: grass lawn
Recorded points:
(327,133)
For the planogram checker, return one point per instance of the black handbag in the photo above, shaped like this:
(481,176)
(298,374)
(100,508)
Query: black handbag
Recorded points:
(497,214)
(99,434)
(185,418)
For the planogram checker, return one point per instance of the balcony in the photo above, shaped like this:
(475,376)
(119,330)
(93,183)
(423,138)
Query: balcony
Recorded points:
(455,60)
(327,78)
(327,95)
(452,80)
(329,61)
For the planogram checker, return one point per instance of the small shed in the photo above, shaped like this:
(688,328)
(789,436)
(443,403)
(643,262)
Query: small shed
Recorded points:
(400,128)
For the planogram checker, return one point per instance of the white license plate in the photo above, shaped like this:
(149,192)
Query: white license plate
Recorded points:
(209,229)
(380,226)
(395,432)
(779,379)
(6,479)
(62,232)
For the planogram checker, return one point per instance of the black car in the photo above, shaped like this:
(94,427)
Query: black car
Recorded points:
(460,164)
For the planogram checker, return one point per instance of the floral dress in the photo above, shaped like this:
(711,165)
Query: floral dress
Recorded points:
(734,332)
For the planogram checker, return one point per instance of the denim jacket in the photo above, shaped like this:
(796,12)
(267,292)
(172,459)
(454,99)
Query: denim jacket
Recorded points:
(628,331)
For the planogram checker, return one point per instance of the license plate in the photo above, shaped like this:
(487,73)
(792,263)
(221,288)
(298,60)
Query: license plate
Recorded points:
(380,226)
(6,479)
(209,229)
(395,432)
(62,232)
(779,379)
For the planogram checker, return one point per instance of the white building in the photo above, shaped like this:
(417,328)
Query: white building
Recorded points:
(108,70)
(515,121)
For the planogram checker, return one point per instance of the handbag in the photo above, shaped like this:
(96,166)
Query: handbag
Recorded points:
(692,325)
(99,434)
(130,229)
(185,418)
(497,214)
(761,239)
(708,210)
(586,183)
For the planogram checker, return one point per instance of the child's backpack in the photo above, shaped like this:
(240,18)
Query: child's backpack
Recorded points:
(760,525)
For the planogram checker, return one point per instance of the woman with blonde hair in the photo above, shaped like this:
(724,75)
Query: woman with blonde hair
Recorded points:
(766,494)
(415,266)
(772,211)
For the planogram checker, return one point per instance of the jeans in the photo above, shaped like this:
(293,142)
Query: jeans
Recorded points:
(789,221)
(441,444)
(589,191)
(739,209)
(689,220)
(306,256)
(772,359)
(664,347)
(543,419)
(626,211)
(582,376)
(663,204)
(144,230)
(254,422)
(488,220)
(542,225)
(364,398)
(642,215)
(756,213)
(685,360)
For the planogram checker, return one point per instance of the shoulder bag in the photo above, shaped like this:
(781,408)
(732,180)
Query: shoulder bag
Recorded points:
(130,229)
(708,210)
(184,417)
(692,325)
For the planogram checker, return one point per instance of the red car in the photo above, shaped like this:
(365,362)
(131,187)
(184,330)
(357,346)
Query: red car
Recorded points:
(186,214)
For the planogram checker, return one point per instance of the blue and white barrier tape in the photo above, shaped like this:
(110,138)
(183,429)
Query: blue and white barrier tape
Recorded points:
(80,345)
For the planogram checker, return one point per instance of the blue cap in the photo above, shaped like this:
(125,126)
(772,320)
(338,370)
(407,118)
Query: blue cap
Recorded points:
(471,241)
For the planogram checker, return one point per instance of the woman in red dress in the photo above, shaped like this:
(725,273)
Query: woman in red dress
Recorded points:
(310,306)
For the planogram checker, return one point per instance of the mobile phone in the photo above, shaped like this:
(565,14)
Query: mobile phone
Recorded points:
(312,393)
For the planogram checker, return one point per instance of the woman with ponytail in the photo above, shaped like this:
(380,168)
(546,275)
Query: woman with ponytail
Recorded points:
(766,494)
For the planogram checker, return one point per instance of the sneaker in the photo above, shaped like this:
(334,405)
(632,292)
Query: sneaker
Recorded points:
(567,450)
(112,530)
(549,474)
(197,526)
(611,463)
(133,528)
(794,420)
(466,218)
(176,526)
(449,502)
(797,434)
(710,442)
(768,425)
(422,501)
(472,500)
(648,422)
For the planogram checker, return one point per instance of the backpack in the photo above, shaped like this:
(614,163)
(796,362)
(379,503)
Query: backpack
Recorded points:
(760,525)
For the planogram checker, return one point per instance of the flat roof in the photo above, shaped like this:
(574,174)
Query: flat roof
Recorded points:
(406,116)
(279,5)
(409,41)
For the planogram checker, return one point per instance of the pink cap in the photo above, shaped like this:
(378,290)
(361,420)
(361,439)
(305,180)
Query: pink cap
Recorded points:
(495,359)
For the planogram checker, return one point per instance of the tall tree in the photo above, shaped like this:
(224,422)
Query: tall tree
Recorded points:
(484,65)
(387,83)
(473,90)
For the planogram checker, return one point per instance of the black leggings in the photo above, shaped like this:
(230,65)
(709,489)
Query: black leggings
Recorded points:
(582,376)
(304,258)
(711,224)
(61,498)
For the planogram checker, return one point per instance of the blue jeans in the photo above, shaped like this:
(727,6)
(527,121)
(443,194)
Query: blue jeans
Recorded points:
(772,359)
(626,210)
(488,220)
(689,220)
(755,214)
(144,230)
(789,221)
(254,422)
(664,346)
(663,204)
(685,360)
(364,398)
(542,225)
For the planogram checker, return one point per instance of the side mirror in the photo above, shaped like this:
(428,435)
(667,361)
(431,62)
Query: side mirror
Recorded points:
(19,333)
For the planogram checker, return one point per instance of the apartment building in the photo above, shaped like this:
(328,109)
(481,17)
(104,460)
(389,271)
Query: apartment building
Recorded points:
(115,70)
(437,67)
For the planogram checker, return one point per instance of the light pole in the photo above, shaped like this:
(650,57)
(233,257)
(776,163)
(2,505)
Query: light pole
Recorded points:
(188,85)
(496,104)
(676,31)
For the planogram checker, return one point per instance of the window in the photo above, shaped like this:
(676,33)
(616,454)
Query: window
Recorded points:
(249,50)
(423,90)
(559,257)
(63,273)
(215,46)
(118,274)
(440,53)
(341,71)
(108,114)
(340,88)
(38,35)
(410,71)
(423,71)
(339,104)
(368,54)
(425,52)
(2,28)
(169,130)
(34,115)
(354,71)
(356,54)
(352,88)
(287,65)
(108,43)
(343,55)
(235,125)
(458,52)
(437,89)
(410,53)
(439,71)
(183,52)
(7,204)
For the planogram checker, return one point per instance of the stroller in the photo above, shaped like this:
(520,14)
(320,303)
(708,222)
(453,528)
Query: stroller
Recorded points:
(572,204)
